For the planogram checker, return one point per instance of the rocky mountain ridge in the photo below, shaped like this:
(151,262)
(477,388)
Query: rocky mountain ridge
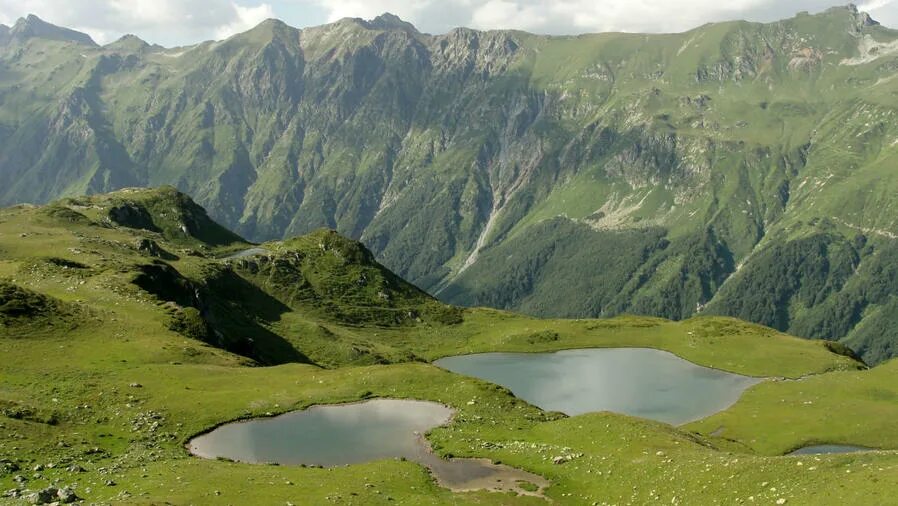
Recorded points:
(569,176)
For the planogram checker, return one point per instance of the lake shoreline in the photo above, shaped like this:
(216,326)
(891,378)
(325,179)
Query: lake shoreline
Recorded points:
(484,474)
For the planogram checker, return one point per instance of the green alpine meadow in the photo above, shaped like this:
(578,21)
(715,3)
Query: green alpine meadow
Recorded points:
(358,264)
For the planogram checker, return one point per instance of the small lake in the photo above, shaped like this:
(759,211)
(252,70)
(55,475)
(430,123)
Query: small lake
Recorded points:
(335,435)
(326,435)
(827,449)
(640,382)
(248,253)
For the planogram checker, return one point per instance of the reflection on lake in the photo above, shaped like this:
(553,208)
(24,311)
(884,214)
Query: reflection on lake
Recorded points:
(640,382)
(354,433)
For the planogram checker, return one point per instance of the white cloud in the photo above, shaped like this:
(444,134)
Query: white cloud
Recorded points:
(498,14)
(579,16)
(247,17)
(170,22)
(407,9)
(874,5)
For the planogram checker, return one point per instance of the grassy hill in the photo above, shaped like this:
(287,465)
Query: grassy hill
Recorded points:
(126,340)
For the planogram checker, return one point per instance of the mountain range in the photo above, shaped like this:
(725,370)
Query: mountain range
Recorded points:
(738,169)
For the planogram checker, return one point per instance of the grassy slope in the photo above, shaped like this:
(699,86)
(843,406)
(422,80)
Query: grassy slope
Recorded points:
(844,407)
(78,378)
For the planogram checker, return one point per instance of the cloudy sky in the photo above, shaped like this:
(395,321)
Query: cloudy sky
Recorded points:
(179,22)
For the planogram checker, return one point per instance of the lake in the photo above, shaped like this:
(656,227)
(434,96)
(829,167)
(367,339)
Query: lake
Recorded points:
(640,382)
(367,431)
(827,449)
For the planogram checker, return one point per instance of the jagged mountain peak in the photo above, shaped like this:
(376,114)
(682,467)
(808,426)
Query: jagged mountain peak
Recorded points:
(268,30)
(389,21)
(862,18)
(384,22)
(129,42)
(272,24)
(31,27)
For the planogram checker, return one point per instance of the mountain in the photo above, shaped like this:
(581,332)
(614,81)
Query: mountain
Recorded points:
(129,44)
(33,27)
(738,169)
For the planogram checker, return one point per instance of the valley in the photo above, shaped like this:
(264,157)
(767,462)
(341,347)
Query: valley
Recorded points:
(737,169)
(357,263)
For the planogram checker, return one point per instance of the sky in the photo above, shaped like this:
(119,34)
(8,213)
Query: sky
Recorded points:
(182,22)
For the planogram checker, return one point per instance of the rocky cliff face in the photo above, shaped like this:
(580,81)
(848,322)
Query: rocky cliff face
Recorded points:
(571,176)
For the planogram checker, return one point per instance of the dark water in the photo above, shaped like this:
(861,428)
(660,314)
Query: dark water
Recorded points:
(640,382)
(824,449)
(354,433)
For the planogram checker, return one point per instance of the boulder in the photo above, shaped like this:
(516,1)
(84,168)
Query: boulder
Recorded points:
(66,495)
(44,496)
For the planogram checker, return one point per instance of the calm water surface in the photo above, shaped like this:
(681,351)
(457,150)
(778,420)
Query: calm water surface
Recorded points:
(353,433)
(327,435)
(248,253)
(640,382)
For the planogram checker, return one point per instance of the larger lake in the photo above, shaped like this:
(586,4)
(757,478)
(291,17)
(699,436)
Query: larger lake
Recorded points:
(640,382)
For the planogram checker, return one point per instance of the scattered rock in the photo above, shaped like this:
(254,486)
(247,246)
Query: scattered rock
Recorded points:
(8,467)
(110,483)
(135,385)
(45,496)
(559,459)
(66,495)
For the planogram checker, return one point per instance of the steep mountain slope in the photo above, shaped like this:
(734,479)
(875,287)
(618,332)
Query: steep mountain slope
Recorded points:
(570,176)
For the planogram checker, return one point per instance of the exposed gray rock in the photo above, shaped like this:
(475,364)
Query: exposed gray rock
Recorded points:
(66,495)
(45,496)
(8,467)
